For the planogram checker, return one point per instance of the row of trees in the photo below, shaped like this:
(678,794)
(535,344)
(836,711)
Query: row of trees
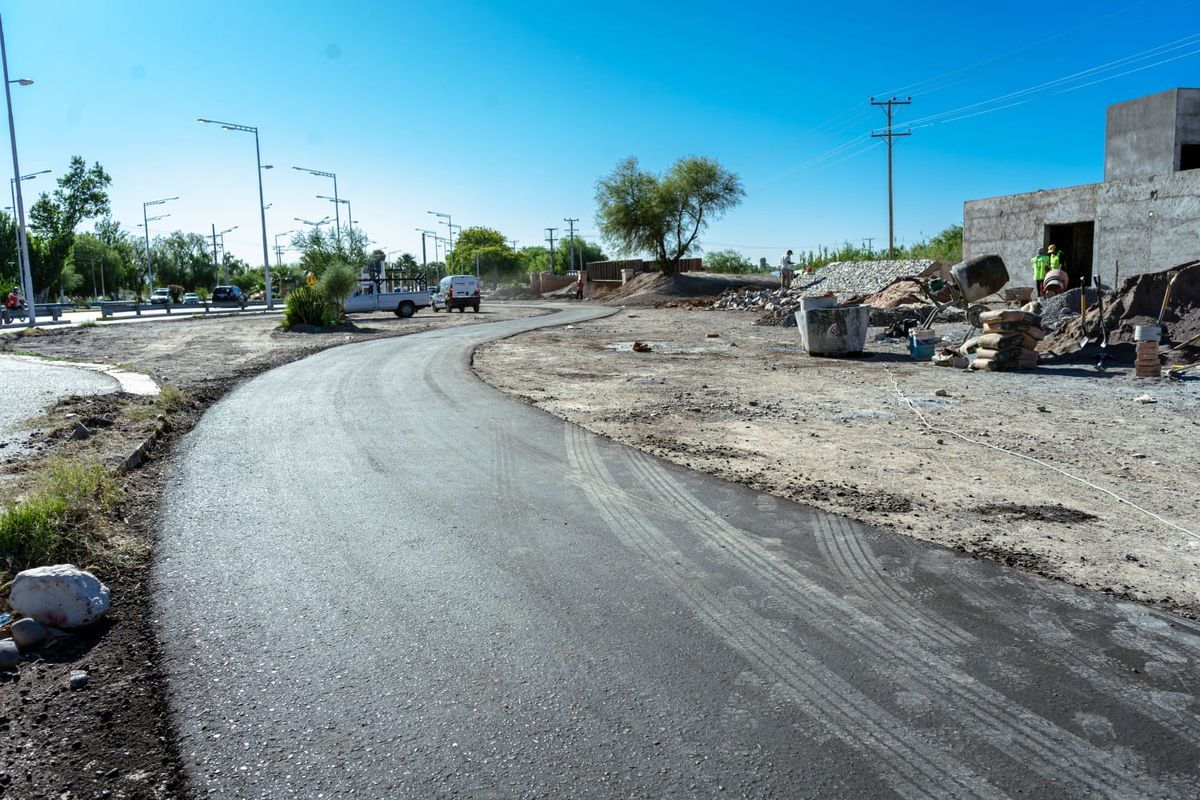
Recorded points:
(487,252)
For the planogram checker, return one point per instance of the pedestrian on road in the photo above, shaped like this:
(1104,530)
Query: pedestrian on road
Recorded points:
(785,271)
(579,289)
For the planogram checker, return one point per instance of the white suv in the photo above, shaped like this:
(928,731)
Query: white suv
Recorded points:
(161,297)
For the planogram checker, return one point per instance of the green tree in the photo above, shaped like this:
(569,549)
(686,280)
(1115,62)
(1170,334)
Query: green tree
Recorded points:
(585,252)
(10,275)
(638,211)
(496,259)
(728,262)
(319,249)
(82,194)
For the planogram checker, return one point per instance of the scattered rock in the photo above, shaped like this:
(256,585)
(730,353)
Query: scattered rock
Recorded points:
(641,347)
(77,679)
(81,431)
(28,633)
(1139,455)
(941,393)
(61,595)
(9,654)
(713,335)
(1145,399)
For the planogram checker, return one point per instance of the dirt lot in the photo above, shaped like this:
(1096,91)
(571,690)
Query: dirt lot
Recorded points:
(845,435)
(114,737)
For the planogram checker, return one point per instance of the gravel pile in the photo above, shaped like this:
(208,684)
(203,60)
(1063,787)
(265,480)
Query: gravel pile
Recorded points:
(1062,308)
(849,279)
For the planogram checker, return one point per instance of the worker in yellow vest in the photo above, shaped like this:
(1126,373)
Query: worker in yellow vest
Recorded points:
(1041,265)
(1056,257)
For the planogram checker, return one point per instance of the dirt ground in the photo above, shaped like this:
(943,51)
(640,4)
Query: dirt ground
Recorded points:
(114,737)
(720,395)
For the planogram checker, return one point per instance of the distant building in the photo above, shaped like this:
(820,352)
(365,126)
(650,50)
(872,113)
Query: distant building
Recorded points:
(1145,214)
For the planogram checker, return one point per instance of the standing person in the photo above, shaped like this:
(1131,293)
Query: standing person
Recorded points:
(579,289)
(785,271)
(1041,265)
(1057,260)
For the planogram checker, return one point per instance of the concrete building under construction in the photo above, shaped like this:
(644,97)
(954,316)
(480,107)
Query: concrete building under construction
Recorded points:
(1144,216)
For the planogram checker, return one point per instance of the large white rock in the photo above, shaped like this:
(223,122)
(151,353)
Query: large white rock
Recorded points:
(63,596)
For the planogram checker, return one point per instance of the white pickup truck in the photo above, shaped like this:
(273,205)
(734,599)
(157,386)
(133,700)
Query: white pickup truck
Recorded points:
(370,297)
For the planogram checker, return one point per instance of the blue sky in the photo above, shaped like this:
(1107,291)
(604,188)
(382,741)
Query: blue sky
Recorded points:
(505,115)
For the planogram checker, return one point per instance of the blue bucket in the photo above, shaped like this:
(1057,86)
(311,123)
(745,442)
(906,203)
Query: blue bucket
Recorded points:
(921,344)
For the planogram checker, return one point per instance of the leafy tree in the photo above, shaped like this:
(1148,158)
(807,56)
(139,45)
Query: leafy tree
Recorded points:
(729,262)
(407,262)
(82,194)
(585,252)
(10,274)
(496,259)
(663,215)
(319,249)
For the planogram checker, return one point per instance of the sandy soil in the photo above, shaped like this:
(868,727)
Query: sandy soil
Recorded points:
(844,435)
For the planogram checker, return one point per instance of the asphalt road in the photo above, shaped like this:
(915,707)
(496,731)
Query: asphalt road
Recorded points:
(380,578)
(29,387)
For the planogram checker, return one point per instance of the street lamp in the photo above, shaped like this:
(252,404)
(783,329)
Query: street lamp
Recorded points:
(223,266)
(278,249)
(424,260)
(146,225)
(22,240)
(336,209)
(153,219)
(262,211)
(349,212)
(12,187)
(324,221)
(450,229)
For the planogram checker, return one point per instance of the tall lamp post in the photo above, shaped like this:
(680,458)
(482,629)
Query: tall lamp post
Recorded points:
(278,249)
(450,231)
(146,225)
(12,185)
(336,209)
(349,212)
(262,211)
(222,266)
(424,259)
(23,241)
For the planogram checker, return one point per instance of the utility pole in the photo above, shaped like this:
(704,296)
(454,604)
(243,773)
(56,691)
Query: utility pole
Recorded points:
(869,243)
(890,135)
(550,239)
(571,250)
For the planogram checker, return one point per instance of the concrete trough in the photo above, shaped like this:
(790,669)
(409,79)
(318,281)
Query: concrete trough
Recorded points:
(827,329)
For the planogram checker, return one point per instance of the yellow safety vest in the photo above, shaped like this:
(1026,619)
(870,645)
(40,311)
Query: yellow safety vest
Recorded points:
(1041,265)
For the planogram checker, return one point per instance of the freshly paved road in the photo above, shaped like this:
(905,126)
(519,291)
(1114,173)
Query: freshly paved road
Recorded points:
(29,387)
(380,578)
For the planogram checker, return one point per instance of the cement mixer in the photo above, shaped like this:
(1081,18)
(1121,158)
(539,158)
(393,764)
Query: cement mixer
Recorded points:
(970,281)
(1054,283)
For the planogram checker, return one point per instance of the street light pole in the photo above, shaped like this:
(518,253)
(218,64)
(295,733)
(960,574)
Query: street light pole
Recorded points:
(13,188)
(450,231)
(26,274)
(262,210)
(146,225)
(336,209)
(278,249)
(224,264)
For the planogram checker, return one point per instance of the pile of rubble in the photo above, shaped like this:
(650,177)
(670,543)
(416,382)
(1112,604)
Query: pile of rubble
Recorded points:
(849,281)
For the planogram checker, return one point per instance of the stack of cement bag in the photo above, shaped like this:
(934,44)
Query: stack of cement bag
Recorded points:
(1009,341)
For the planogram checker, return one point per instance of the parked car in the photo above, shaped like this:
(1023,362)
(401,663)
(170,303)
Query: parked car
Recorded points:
(228,296)
(160,297)
(191,299)
(456,291)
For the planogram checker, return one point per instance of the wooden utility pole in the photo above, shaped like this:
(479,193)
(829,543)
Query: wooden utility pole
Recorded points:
(890,135)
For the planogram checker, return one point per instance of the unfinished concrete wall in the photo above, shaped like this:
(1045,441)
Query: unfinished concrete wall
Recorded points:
(1140,136)
(1187,120)
(1146,224)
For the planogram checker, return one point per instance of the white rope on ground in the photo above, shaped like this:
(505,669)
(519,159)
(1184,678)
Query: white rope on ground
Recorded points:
(1038,461)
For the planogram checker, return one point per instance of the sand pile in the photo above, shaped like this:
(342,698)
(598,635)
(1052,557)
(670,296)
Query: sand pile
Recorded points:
(1137,302)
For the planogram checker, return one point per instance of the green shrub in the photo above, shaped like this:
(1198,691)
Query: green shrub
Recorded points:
(61,520)
(337,282)
(308,306)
